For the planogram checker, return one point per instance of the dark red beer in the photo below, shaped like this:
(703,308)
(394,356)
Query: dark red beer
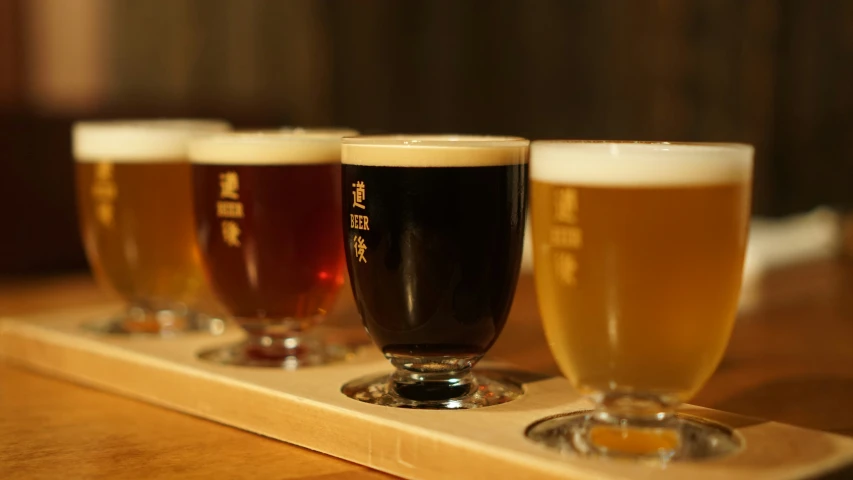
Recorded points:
(267,214)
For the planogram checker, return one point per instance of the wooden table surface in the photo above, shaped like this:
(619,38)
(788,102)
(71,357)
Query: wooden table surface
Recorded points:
(790,360)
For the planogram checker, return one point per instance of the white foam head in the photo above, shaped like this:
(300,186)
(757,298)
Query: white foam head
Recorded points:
(272,147)
(434,150)
(131,141)
(639,163)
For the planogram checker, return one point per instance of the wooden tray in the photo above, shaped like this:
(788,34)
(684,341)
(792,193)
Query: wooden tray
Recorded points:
(306,408)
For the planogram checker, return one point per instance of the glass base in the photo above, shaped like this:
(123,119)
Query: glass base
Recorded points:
(163,324)
(687,438)
(485,390)
(290,354)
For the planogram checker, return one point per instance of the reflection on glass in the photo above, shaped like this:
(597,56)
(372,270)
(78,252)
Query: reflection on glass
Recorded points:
(638,251)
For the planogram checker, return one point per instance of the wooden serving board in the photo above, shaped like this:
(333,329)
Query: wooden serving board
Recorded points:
(306,408)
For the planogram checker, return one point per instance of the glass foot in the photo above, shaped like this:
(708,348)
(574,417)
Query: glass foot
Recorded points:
(689,439)
(486,389)
(289,355)
(162,324)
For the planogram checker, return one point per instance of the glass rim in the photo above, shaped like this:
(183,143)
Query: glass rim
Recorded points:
(149,124)
(436,141)
(268,137)
(646,143)
(342,131)
(139,140)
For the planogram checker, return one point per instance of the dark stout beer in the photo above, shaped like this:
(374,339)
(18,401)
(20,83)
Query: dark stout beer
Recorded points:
(434,230)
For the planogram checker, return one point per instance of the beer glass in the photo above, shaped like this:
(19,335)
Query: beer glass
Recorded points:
(434,229)
(267,207)
(135,210)
(638,253)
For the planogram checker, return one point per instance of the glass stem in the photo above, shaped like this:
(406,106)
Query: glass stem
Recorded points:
(154,317)
(630,425)
(432,378)
(273,340)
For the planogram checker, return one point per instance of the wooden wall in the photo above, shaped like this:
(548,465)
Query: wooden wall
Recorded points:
(775,73)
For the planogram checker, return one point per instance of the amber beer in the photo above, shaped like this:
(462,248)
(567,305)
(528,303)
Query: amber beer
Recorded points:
(135,209)
(266,214)
(638,255)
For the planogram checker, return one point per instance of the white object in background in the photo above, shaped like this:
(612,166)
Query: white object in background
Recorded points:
(775,243)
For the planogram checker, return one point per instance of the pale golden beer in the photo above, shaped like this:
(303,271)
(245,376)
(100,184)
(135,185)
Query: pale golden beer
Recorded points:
(638,252)
(135,208)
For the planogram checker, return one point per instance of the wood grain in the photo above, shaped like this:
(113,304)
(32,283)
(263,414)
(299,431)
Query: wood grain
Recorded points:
(50,429)
(306,408)
(54,429)
(790,360)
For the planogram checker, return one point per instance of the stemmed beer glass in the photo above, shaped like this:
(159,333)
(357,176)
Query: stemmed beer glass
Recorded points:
(266,217)
(135,208)
(638,252)
(434,228)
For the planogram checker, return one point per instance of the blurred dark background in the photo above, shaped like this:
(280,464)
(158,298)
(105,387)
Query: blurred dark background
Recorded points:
(778,74)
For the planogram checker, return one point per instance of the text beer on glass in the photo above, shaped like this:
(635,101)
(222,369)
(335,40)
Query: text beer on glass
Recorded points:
(638,251)
(434,228)
(134,203)
(267,206)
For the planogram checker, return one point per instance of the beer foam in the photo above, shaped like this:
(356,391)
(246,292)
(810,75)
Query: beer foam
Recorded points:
(274,147)
(130,141)
(434,151)
(322,131)
(640,164)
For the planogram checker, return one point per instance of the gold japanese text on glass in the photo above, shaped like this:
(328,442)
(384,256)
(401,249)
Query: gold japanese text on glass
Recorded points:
(267,217)
(359,222)
(638,252)
(433,230)
(134,202)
